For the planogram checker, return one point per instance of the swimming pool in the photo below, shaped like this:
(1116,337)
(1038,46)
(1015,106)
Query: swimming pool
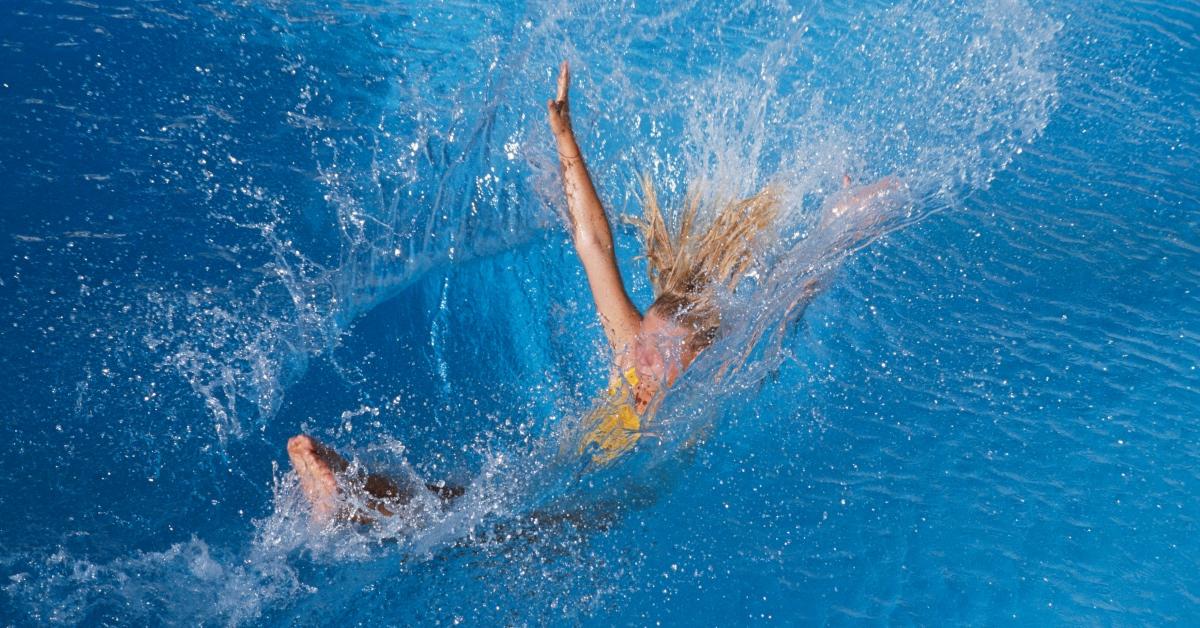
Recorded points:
(225,223)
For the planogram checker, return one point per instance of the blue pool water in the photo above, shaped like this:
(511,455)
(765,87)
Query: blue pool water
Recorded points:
(224,223)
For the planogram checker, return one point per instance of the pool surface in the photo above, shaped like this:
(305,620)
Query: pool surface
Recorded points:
(228,222)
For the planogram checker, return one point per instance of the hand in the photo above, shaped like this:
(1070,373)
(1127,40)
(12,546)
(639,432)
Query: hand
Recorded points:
(556,109)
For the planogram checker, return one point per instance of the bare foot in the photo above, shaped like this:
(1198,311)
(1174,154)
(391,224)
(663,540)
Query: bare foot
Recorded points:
(316,465)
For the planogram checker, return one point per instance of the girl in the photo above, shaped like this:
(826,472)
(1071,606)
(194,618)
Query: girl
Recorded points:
(687,268)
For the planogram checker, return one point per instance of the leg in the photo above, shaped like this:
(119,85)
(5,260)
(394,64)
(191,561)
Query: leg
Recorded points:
(317,464)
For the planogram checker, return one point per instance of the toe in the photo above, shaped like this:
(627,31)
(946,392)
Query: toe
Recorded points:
(300,444)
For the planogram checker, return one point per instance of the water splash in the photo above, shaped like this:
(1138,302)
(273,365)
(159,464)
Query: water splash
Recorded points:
(938,96)
(980,79)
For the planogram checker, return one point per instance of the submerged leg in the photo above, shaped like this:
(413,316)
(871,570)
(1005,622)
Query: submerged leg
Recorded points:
(317,466)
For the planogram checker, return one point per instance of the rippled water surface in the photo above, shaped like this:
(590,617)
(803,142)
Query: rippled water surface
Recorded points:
(224,223)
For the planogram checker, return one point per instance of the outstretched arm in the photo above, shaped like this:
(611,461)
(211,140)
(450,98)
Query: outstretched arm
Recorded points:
(589,228)
(863,201)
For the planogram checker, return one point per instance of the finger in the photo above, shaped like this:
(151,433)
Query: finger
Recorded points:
(564,81)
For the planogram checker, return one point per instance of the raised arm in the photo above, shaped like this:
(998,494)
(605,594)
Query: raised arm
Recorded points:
(590,230)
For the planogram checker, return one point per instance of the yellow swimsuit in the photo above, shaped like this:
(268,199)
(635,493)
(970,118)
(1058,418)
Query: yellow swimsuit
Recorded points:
(615,426)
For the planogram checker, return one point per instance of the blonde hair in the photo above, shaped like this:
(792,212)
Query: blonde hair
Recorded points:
(688,265)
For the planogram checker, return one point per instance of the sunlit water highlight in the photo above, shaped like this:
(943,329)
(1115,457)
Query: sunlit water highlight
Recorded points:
(228,223)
